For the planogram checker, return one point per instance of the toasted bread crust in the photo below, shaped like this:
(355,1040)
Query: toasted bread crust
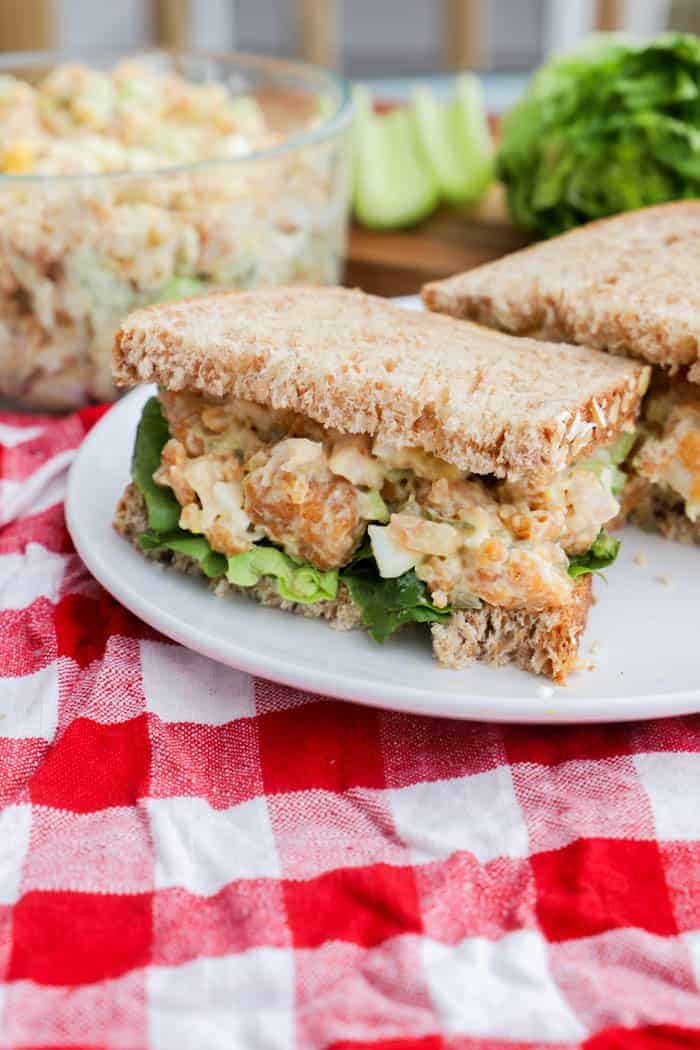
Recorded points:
(486,402)
(545,643)
(628,285)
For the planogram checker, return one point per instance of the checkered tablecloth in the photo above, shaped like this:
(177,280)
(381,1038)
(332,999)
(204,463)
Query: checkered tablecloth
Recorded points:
(194,860)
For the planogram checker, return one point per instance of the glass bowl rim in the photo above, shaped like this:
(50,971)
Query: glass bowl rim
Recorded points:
(334,122)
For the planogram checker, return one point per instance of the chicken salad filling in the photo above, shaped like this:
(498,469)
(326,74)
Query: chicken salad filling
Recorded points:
(669,453)
(78,254)
(272,493)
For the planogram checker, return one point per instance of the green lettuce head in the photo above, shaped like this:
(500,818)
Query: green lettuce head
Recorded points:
(610,127)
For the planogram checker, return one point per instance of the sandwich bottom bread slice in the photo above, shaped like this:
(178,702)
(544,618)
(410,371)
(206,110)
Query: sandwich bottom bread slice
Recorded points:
(628,285)
(545,642)
(328,453)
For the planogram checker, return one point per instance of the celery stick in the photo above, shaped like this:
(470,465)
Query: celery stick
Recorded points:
(394,187)
(455,140)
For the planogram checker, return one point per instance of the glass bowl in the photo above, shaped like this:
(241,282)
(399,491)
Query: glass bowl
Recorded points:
(79,251)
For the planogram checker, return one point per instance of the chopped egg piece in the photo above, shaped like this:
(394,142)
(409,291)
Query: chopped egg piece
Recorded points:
(392,560)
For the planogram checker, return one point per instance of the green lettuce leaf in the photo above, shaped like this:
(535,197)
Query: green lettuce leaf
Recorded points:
(152,433)
(612,126)
(620,449)
(388,604)
(609,458)
(210,561)
(599,556)
(295,582)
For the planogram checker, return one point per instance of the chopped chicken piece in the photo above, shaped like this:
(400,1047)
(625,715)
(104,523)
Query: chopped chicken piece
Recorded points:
(352,459)
(423,536)
(294,497)
(171,471)
(501,573)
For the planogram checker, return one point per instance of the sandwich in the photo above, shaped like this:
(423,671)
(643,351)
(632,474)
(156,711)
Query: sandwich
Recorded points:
(330,453)
(629,285)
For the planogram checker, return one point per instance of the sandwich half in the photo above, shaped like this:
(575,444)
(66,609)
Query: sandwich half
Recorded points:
(629,285)
(328,452)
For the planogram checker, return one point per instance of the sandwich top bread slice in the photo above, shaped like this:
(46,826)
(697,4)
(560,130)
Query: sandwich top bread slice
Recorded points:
(629,285)
(327,451)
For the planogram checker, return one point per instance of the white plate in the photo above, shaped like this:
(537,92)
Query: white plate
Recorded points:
(642,634)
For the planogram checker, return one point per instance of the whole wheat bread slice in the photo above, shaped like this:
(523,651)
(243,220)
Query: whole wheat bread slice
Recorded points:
(544,643)
(486,402)
(629,285)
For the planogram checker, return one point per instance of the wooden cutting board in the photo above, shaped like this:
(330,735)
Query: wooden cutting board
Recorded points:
(449,241)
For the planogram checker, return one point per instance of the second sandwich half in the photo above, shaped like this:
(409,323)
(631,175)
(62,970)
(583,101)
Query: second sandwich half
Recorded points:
(326,451)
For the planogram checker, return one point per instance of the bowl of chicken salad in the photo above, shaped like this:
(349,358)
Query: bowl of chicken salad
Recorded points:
(134,180)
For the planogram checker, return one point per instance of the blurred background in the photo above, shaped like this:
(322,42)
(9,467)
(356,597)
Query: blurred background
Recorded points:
(375,40)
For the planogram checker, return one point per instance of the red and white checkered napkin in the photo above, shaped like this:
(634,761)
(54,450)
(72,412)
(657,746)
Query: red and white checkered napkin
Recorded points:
(193,860)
